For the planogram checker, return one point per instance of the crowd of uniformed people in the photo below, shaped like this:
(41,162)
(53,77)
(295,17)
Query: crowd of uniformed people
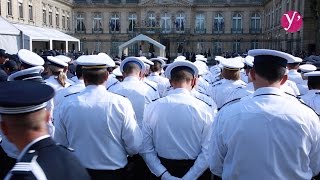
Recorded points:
(253,117)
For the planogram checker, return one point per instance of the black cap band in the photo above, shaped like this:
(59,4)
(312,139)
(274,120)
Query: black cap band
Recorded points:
(263,59)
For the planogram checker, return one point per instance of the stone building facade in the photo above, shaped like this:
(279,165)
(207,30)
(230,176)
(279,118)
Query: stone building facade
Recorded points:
(183,26)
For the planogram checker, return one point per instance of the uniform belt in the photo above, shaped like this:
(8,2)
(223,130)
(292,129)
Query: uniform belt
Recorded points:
(106,174)
(177,168)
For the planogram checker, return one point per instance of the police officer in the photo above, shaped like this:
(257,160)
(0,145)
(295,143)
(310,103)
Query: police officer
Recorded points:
(58,78)
(23,122)
(270,135)
(312,98)
(176,128)
(221,90)
(155,76)
(98,124)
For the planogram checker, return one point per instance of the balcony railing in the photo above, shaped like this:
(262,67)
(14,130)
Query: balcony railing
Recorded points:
(218,30)
(157,30)
(236,30)
(200,31)
(80,30)
(255,30)
(97,30)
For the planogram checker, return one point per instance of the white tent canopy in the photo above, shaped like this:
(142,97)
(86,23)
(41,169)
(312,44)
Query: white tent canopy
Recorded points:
(142,37)
(10,39)
(34,33)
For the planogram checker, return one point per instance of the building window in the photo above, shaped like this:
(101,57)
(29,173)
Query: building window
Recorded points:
(9,7)
(30,11)
(115,23)
(57,17)
(80,23)
(151,20)
(180,22)
(255,23)
(50,16)
(254,44)
(165,23)
(200,23)
(44,15)
(218,24)
(68,21)
(97,23)
(63,20)
(20,8)
(236,46)
(132,22)
(237,23)
(217,47)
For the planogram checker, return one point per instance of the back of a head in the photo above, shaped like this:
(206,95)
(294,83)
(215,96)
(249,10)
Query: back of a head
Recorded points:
(131,68)
(79,71)
(156,67)
(230,74)
(268,68)
(181,74)
(95,76)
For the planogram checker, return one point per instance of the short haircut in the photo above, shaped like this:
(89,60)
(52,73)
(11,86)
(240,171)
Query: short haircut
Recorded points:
(293,65)
(26,121)
(314,82)
(270,71)
(79,71)
(230,74)
(131,67)
(156,67)
(181,74)
(95,76)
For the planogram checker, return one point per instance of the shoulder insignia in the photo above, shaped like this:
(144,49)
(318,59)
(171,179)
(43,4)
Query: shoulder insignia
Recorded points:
(112,85)
(29,167)
(203,99)
(240,87)
(203,93)
(71,94)
(68,148)
(317,93)
(155,89)
(230,102)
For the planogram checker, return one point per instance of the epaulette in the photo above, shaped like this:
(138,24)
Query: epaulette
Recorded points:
(308,107)
(71,94)
(203,100)
(216,84)
(112,85)
(68,148)
(290,94)
(230,102)
(239,87)
(155,89)
(203,93)
(317,93)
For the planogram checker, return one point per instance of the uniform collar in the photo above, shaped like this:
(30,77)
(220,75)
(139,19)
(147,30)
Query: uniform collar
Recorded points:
(293,71)
(268,90)
(25,149)
(131,78)
(80,81)
(154,74)
(95,87)
(313,91)
(179,91)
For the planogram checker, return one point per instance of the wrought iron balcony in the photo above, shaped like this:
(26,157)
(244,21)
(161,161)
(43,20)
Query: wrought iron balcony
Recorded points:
(97,30)
(236,30)
(216,30)
(255,30)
